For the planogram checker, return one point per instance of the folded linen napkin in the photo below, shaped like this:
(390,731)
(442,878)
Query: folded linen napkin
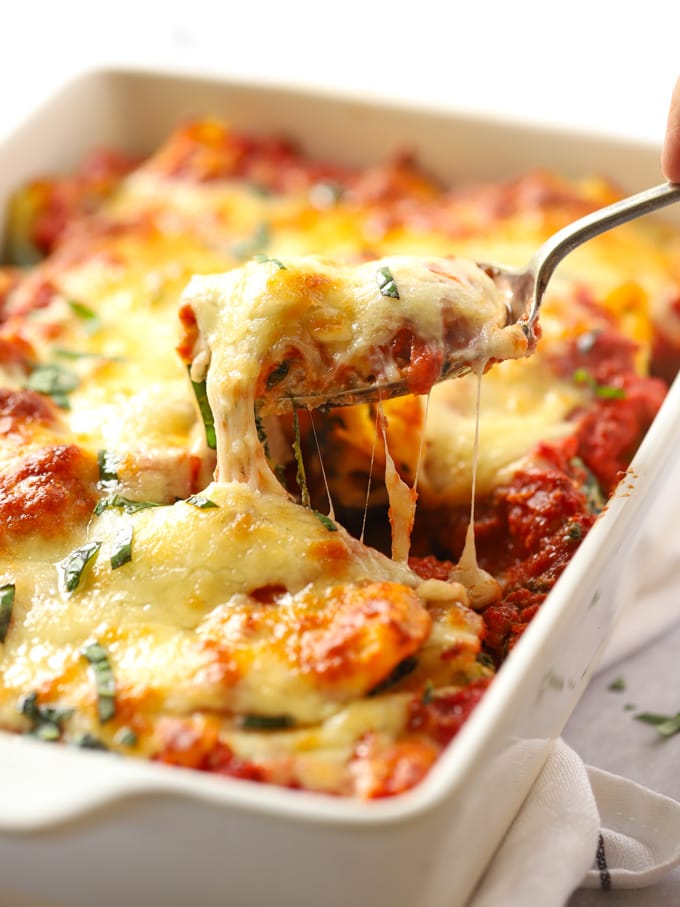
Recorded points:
(581,826)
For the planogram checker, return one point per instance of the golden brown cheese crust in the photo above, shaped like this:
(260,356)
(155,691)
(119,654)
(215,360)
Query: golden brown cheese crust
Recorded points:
(48,485)
(285,633)
(326,328)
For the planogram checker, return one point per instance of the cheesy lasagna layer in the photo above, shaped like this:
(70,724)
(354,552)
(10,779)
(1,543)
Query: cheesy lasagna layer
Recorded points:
(213,587)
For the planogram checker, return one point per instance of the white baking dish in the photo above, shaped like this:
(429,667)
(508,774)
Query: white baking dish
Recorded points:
(83,828)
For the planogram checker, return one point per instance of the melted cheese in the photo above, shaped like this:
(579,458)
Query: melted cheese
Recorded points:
(253,606)
(333,327)
(182,625)
(522,404)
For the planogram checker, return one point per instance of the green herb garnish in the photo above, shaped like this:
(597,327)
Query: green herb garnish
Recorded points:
(277,374)
(279,469)
(121,548)
(46,721)
(297,450)
(618,685)
(118,502)
(262,435)
(6,607)
(64,353)
(401,670)
(251,245)
(200,501)
(125,736)
(485,660)
(606,391)
(666,725)
(104,680)
(386,283)
(88,741)
(266,722)
(53,381)
(72,569)
(325,521)
(205,411)
(108,462)
(574,531)
(595,499)
(263,259)
(85,313)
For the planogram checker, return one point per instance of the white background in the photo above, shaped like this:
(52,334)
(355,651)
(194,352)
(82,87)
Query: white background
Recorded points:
(606,67)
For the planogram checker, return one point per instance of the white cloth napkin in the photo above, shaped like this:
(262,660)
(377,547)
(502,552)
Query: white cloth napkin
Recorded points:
(581,826)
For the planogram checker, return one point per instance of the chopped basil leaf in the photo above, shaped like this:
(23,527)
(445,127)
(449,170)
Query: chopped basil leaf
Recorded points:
(279,469)
(54,381)
(401,670)
(618,685)
(200,501)
(266,722)
(606,391)
(82,311)
(125,736)
(6,607)
(121,548)
(108,461)
(104,680)
(277,374)
(74,565)
(88,741)
(262,435)
(582,376)
(46,721)
(297,450)
(251,245)
(666,725)
(64,353)
(574,531)
(263,259)
(205,411)
(46,731)
(118,502)
(88,316)
(595,499)
(428,692)
(386,283)
(325,521)
(485,660)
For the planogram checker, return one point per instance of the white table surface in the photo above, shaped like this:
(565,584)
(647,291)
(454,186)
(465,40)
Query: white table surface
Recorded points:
(606,67)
